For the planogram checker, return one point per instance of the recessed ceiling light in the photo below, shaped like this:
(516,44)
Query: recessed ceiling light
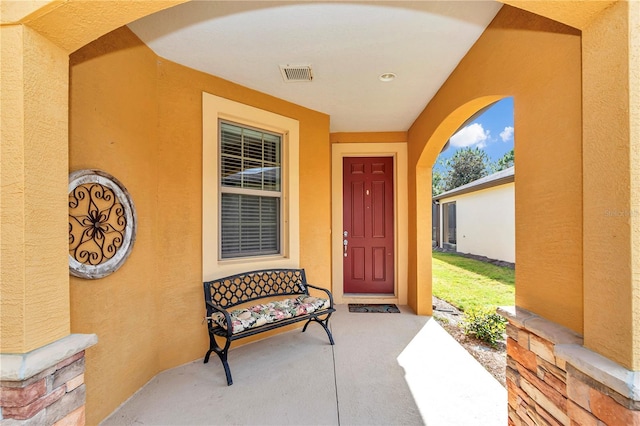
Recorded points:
(387,76)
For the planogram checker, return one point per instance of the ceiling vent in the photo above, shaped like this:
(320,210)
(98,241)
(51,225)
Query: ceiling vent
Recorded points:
(296,73)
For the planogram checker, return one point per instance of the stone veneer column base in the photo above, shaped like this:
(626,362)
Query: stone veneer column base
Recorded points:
(553,380)
(45,386)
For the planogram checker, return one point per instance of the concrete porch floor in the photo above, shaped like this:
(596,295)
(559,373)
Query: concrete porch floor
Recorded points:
(385,369)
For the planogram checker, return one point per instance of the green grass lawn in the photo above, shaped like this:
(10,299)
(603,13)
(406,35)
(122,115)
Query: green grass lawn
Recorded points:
(468,283)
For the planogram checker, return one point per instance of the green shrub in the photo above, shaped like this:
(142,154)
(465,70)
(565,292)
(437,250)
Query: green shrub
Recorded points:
(485,324)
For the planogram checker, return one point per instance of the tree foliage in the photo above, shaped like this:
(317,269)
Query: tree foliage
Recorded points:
(466,165)
(437,182)
(504,162)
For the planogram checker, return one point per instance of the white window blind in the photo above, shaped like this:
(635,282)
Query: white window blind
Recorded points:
(250,191)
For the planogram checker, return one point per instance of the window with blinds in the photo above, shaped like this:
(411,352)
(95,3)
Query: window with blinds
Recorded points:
(250,191)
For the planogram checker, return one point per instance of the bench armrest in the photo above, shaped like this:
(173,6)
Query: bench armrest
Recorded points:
(224,312)
(326,291)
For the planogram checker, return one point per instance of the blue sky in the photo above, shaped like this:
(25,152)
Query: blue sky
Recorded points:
(492,132)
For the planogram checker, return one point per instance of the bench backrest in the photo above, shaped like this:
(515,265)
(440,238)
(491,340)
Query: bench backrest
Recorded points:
(240,288)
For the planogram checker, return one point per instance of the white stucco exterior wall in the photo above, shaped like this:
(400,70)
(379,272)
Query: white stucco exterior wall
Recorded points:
(486,222)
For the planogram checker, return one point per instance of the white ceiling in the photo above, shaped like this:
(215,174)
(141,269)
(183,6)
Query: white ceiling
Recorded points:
(348,45)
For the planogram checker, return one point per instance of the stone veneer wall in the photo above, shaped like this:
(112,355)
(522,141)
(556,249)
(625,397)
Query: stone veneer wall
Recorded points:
(553,380)
(46,386)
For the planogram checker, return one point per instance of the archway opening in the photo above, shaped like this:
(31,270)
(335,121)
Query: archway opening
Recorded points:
(478,157)
(454,121)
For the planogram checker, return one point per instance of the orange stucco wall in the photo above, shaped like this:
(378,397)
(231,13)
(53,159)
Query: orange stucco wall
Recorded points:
(139,117)
(612,166)
(368,137)
(34,301)
(538,62)
(37,38)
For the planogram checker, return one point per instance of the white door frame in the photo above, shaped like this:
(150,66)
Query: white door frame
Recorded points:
(399,153)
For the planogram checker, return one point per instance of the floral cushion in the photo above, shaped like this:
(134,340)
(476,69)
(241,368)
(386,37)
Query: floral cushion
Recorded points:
(255,316)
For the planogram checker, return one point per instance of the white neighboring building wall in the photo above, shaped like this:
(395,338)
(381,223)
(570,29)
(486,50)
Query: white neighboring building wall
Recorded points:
(486,222)
(485,216)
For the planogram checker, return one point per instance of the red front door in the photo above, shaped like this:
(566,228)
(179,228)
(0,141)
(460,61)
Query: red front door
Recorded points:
(368,243)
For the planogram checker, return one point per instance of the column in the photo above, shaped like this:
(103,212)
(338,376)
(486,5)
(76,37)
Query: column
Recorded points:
(41,364)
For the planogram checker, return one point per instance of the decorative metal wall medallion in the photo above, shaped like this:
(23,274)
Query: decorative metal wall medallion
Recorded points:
(102,224)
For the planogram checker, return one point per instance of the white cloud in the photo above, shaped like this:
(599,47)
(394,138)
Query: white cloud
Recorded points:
(507,134)
(472,135)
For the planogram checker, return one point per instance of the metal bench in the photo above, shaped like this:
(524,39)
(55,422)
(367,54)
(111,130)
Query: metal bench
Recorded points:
(223,294)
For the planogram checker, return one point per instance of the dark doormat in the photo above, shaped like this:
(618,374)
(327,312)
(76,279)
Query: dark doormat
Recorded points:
(374,307)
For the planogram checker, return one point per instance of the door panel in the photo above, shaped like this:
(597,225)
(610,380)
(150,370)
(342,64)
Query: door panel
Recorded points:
(357,209)
(357,263)
(378,210)
(369,223)
(378,267)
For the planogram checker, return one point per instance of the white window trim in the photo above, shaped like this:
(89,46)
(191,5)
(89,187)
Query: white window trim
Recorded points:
(213,109)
